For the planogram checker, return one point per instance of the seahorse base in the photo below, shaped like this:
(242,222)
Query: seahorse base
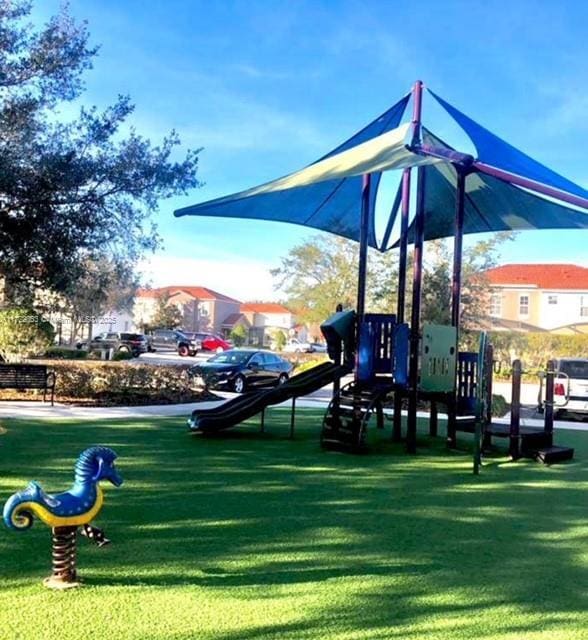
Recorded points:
(64,574)
(59,584)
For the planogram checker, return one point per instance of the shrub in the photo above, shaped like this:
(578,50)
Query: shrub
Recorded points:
(23,334)
(239,335)
(499,406)
(305,366)
(62,353)
(122,355)
(280,339)
(533,349)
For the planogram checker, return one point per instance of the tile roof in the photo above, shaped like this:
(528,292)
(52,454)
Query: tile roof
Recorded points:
(542,276)
(200,293)
(264,307)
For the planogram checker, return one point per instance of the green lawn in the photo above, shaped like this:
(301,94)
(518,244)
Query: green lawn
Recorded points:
(256,536)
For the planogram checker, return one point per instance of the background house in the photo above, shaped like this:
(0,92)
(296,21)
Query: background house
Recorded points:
(265,319)
(539,297)
(202,309)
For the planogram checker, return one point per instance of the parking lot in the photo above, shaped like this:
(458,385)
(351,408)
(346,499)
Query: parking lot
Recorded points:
(172,357)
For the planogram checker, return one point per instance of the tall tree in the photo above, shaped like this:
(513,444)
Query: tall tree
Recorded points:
(70,191)
(475,296)
(322,272)
(105,286)
(167,314)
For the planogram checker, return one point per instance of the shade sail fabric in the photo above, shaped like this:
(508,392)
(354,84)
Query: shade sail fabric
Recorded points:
(327,194)
(496,152)
(490,204)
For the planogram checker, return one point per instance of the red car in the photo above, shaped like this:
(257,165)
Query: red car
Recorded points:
(211,342)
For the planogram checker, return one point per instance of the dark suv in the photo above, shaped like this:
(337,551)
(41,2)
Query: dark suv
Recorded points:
(135,343)
(174,340)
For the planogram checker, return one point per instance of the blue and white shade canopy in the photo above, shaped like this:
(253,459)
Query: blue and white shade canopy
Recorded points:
(326,195)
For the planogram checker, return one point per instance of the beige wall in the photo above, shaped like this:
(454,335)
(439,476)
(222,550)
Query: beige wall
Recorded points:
(510,306)
(219,311)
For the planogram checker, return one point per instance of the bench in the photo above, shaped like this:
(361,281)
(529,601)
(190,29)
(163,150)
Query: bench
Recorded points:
(27,376)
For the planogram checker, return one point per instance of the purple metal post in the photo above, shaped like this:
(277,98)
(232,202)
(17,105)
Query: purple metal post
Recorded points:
(457,250)
(363,252)
(549,402)
(419,232)
(392,218)
(515,410)
(401,304)
(363,245)
(532,185)
(403,257)
(417,96)
(417,280)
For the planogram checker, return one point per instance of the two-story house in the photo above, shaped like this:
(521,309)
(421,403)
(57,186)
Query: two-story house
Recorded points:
(539,297)
(265,318)
(202,309)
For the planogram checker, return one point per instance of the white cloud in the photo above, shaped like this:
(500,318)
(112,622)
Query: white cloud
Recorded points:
(239,278)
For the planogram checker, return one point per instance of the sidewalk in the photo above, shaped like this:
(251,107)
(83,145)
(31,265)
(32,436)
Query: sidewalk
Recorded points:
(40,410)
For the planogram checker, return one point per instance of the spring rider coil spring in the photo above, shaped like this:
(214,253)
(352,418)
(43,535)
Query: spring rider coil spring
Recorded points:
(65,512)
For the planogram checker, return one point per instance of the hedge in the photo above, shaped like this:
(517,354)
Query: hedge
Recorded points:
(533,349)
(100,382)
(63,353)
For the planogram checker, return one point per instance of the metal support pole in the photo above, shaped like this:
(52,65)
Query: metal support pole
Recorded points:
(292,418)
(545,190)
(363,256)
(262,421)
(403,254)
(515,411)
(549,396)
(457,250)
(363,246)
(456,287)
(433,419)
(419,233)
(417,94)
(401,302)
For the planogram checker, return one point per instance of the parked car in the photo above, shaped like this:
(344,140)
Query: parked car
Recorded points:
(211,342)
(239,369)
(318,347)
(135,343)
(570,389)
(297,346)
(186,344)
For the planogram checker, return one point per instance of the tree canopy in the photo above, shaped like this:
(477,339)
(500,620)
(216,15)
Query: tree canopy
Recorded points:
(322,272)
(78,190)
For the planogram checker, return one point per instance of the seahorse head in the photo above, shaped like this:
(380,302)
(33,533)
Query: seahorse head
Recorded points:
(95,464)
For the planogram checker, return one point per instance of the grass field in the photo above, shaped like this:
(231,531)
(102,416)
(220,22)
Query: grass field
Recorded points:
(255,536)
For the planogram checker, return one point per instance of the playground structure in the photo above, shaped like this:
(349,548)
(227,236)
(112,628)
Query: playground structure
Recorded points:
(65,512)
(500,189)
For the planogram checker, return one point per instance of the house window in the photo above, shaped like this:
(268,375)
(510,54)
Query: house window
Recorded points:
(496,304)
(584,306)
(551,299)
(523,305)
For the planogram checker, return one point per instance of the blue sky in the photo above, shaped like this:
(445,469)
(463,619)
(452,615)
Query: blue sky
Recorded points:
(267,87)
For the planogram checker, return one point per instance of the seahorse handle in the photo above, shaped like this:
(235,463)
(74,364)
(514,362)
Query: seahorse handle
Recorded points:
(16,516)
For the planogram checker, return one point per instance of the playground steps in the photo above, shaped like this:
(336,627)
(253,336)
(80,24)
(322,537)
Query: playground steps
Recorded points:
(346,420)
(535,443)
(550,455)
(343,429)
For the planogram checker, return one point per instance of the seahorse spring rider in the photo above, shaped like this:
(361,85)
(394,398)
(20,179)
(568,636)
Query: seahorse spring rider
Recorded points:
(65,512)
